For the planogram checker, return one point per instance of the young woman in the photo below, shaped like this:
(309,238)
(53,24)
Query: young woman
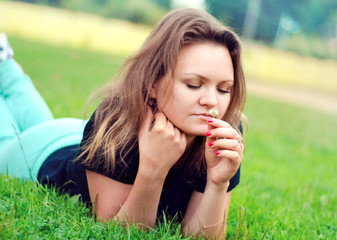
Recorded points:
(151,147)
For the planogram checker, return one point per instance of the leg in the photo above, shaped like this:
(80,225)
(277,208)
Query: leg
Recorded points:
(8,123)
(23,100)
(23,156)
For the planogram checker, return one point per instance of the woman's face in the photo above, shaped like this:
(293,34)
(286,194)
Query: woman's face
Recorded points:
(203,78)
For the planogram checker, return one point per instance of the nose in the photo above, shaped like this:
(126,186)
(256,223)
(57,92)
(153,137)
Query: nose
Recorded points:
(208,98)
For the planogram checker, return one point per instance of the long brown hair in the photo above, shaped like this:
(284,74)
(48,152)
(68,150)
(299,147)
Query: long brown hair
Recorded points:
(119,117)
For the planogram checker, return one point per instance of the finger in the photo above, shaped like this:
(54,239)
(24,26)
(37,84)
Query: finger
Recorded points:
(229,154)
(217,123)
(146,124)
(210,137)
(159,116)
(230,144)
(171,126)
(180,138)
(159,122)
(183,139)
(176,135)
(230,133)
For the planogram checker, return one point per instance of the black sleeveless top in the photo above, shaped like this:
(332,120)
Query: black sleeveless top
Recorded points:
(62,171)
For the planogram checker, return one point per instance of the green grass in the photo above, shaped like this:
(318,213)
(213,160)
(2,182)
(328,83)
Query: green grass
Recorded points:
(288,181)
(65,77)
(288,184)
(29,211)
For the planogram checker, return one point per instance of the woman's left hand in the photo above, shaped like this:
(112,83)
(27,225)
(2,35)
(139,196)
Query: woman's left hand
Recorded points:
(223,152)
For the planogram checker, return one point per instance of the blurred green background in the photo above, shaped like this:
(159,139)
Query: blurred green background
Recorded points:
(307,27)
(288,186)
(286,42)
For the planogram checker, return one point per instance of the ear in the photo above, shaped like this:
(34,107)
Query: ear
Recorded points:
(158,87)
(153,91)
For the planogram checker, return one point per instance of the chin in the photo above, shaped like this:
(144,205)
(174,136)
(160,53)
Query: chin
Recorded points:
(201,131)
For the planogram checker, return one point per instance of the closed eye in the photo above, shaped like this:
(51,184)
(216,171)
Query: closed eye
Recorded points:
(193,86)
(223,91)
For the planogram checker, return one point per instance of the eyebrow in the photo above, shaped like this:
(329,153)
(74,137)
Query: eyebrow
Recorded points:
(205,78)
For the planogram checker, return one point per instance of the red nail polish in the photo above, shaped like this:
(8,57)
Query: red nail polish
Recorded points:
(210,120)
(210,144)
(208,133)
(217,152)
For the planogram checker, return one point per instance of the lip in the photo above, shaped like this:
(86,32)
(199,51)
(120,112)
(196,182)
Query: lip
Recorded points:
(204,116)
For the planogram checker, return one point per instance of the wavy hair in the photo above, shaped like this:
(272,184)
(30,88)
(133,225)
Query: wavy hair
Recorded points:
(118,118)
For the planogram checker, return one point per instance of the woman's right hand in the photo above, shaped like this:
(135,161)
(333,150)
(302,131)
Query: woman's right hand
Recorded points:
(161,145)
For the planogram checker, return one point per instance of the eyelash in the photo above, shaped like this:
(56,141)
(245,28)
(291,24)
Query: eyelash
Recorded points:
(192,86)
(196,87)
(223,91)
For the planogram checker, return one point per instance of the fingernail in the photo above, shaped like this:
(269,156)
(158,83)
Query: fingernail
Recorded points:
(217,152)
(208,133)
(210,144)
(209,120)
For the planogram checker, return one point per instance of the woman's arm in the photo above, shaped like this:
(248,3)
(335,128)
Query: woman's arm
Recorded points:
(160,147)
(124,202)
(223,154)
(207,213)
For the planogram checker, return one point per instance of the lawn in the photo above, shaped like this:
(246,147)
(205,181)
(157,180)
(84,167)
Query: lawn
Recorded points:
(288,181)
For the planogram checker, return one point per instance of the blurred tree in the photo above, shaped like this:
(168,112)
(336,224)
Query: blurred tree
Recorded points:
(230,12)
(251,18)
(139,11)
(268,20)
(55,2)
(46,2)
(166,4)
(313,15)
(30,1)
(316,17)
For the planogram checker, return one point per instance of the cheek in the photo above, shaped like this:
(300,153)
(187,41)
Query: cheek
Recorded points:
(176,102)
(171,109)
(166,106)
(175,110)
(223,106)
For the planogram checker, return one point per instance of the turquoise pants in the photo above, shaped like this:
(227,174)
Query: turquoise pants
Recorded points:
(28,131)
